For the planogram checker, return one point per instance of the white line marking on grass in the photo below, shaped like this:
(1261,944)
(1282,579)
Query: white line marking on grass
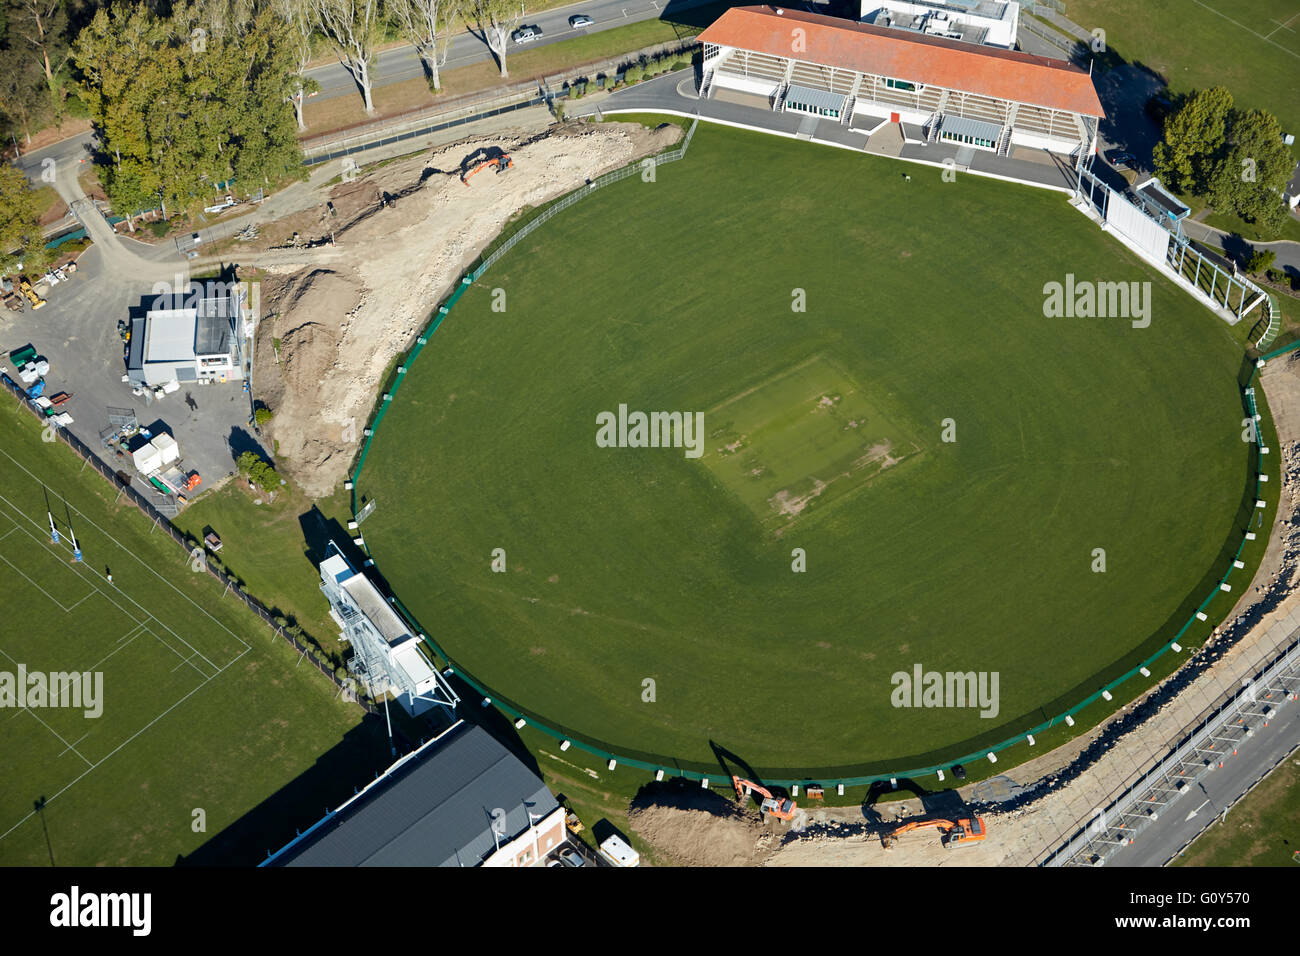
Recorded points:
(1248,29)
(75,742)
(72,783)
(51,597)
(93,579)
(135,557)
(1283,26)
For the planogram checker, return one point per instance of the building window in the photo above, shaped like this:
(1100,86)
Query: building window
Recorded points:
(900,85)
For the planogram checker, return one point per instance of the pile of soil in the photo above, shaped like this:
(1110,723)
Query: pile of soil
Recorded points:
(703,830)
(342,312)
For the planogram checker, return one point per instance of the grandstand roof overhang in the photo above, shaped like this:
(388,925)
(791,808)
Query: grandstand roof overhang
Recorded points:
(863,48)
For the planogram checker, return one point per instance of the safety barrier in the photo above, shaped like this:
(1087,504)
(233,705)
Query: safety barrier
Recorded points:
(848,776)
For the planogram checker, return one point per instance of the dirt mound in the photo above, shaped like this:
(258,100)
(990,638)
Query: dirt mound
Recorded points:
(703,831)
(341,321)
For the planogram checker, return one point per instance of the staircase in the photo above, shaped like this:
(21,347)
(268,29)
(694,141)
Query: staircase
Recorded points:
(1274,316)
(778,104)
(706,84)
(1004,142)
(935,122)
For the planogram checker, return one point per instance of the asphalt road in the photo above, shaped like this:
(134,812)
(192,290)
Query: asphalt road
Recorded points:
(402,63)
(1187,816)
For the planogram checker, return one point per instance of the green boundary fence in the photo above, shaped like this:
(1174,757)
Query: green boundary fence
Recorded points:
(692,770)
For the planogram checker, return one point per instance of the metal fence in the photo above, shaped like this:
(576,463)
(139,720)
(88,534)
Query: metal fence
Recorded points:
(473,107)
(121,481)
(1220,734)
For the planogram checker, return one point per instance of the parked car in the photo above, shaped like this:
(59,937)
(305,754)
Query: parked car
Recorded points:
(570,857)
(959,772)
(579,20)
(526,34)
(1121,159)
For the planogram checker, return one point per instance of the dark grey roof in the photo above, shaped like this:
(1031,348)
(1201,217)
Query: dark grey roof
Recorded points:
(961,126)
(436,810)
(818,99)
(211,332)
(135,357)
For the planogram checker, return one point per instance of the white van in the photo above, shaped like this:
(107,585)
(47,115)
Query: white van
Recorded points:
(618,853)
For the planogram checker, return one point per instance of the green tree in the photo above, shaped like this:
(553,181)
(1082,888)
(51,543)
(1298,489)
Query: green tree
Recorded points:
(21,239)
(1194,141)
(1254,170)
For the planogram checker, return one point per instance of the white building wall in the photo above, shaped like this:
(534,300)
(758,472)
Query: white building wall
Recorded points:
(744,84)
(1038,141)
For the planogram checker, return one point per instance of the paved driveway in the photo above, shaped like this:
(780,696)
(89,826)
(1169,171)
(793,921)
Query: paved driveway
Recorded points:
(77,332)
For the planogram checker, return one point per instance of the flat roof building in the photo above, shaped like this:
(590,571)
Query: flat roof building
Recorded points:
(190,336)
(973,21)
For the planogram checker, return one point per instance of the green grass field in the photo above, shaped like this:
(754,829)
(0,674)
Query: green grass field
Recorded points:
(924,305)
(1252,47)
(200,709)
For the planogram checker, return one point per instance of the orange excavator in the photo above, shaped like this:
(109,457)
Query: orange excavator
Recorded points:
(501,163)
(782,809)
(954,832)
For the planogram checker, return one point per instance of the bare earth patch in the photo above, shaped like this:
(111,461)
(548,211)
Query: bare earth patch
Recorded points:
(342,319)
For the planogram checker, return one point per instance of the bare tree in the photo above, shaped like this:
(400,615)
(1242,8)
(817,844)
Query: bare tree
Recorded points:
(297,16)
(496,19)
(352,27)
(428,24)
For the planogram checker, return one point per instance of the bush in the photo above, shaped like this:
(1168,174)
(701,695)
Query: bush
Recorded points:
(1259,260)
(262,415)
(159,229)
(258,471)
(633,73)
(1276,275)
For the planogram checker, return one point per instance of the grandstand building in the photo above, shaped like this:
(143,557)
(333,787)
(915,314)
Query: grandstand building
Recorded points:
(932,89)
(386,656)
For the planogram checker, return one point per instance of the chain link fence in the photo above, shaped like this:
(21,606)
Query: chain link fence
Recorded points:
(121,480)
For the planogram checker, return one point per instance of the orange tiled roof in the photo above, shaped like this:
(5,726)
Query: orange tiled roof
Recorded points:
(884,51)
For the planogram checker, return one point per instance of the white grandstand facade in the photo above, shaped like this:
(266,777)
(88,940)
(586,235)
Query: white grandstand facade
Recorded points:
(866,76)
(387,657)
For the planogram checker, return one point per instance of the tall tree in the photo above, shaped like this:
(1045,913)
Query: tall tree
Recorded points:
(427,25)
(1254,171)
(352,27)
(21,239)
(299,26)
(41,25)
(1194,141)
(496,20)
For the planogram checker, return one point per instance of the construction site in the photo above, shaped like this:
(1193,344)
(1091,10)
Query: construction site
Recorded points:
(346,285)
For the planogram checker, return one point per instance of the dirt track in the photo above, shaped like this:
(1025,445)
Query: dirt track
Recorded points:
(339,314)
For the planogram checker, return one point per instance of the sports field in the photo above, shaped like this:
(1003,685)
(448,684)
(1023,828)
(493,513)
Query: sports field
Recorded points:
(189,706)
(1252,47)
(942,458)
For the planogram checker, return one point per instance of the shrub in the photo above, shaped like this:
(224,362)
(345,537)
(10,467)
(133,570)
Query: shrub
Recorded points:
(1260,259)
(159,229)
(633,73)
(262,415)
(1276,275)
